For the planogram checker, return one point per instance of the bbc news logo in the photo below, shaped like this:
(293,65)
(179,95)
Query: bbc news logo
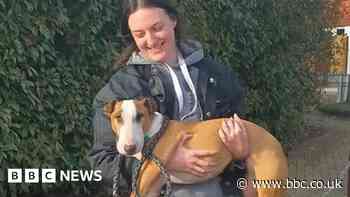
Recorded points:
(34,175)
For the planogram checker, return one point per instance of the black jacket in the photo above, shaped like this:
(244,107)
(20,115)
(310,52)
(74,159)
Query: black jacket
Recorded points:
(218,90)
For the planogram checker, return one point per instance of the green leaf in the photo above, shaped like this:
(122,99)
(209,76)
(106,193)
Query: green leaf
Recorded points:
(29,6)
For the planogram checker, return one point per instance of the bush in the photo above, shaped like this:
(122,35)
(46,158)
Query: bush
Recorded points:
(56,54)
(274,46)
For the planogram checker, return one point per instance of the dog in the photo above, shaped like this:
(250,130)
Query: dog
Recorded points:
(132,120)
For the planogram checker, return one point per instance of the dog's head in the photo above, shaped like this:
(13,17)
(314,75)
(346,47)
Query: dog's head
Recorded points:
(130,119)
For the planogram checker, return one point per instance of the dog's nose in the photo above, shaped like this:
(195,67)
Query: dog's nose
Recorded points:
(130,149)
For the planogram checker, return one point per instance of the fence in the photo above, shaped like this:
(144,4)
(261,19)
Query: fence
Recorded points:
(337,85)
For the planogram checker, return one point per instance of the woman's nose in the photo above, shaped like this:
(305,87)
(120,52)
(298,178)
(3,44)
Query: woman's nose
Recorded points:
(151,40)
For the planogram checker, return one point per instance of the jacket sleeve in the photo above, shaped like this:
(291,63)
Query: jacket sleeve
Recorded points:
(103,154)
(237,93)
(234,87)
(228,91)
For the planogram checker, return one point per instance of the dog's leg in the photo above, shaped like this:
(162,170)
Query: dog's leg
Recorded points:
(149,178)
(156,188)
(249,191)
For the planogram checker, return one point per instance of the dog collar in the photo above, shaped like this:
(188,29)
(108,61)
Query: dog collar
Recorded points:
(155,126)
(146,137)
(151,140)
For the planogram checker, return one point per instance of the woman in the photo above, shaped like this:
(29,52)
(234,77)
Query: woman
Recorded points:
(185,84)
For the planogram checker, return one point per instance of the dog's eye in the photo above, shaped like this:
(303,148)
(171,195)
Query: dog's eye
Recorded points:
(119,118)
(139,116)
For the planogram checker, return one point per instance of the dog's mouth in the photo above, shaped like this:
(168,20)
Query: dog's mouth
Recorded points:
(130,149)
(127,150)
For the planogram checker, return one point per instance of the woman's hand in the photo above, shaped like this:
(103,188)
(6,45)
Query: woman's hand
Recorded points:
(196,162)
(234,136)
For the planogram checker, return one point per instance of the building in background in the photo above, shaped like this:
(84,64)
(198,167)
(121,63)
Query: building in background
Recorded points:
(335,76)
(341,51)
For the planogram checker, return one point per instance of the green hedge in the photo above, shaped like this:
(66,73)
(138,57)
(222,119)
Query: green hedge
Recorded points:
(274,45)
(56,54)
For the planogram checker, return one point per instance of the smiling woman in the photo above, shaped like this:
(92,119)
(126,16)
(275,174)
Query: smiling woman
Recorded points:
(156,24)
(186,86)
(154,34)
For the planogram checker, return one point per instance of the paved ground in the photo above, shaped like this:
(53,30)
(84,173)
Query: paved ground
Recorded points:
(323,157)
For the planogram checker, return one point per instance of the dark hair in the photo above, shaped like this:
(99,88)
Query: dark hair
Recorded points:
(129,7)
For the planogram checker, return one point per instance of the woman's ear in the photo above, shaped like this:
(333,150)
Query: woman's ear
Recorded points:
(174,23)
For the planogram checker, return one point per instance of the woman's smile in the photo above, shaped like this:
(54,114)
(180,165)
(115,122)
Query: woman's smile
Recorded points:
(154,34)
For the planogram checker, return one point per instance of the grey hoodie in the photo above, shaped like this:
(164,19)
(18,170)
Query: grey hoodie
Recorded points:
(192,53)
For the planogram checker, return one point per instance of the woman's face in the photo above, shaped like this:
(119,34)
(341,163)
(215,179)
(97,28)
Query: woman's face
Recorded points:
(154,34)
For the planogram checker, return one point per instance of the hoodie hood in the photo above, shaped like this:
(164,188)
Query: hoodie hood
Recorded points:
(191,50)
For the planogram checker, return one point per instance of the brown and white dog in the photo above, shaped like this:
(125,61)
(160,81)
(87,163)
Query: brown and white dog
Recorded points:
(131,120)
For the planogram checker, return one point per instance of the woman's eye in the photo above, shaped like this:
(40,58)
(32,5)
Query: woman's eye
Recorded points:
(139,34)
(157,27)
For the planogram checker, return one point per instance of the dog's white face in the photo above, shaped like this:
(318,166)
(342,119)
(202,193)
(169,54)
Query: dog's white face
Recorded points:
(129,120)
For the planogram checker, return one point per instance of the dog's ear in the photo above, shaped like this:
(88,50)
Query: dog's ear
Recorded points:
(151,104)
(108,108)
